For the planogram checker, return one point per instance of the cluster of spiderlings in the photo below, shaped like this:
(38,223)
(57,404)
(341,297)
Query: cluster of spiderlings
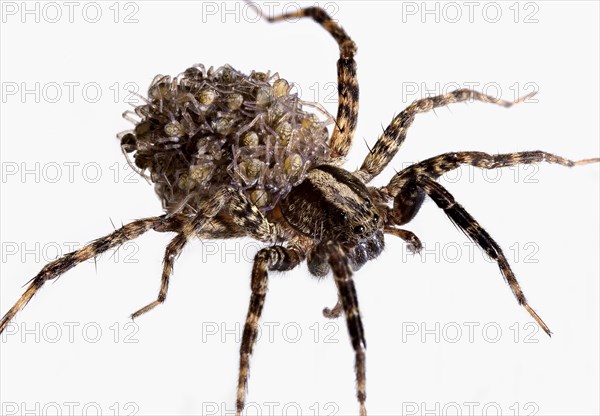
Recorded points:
(208,128)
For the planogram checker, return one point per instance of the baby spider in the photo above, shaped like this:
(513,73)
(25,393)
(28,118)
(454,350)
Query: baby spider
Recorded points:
(234,155)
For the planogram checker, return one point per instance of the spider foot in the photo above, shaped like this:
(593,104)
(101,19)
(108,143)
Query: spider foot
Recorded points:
(413,243)
(523,98)
(586,161)
(147,308)
(334,312)
(539,320)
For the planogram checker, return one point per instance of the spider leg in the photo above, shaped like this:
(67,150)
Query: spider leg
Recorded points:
(335,312)
(438,165)
(58,267)
(247,217)
(347,115)
(463,220)
(408,200)
(190,227)
(414,244)
(245,220)
(271,258)
(347,295)
(208,209)
(221,227)
(173,250)
(393,136)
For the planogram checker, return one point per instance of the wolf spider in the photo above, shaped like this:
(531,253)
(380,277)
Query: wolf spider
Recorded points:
(328,217)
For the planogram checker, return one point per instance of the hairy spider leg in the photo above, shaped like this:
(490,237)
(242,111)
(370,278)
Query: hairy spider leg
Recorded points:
(342,274)
(243,219)
(274,258)
(247,219)
(393,136)
(466,223)
(408,186)
(59,266)
(347,115)
(172,251)
(207,210)
(408,197)
(414,245)
(438,165)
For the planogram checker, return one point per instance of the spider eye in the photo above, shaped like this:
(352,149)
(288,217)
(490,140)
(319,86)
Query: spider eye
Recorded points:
(376,219)
(359,229)
(343,216)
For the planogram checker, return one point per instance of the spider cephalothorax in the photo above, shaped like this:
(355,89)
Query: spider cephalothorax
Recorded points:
(331,204)
(234,155)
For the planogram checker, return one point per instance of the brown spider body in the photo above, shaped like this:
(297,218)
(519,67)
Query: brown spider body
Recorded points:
(234,155)
(331,204)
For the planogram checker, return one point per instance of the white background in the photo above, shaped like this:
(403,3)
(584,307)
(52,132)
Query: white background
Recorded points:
(549,216)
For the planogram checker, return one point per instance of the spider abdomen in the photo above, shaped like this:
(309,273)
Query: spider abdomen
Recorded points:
(205,129)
